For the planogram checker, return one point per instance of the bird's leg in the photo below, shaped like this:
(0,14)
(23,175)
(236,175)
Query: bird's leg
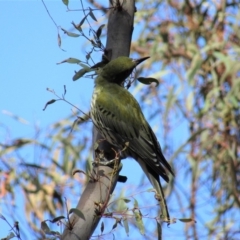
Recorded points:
(101,160)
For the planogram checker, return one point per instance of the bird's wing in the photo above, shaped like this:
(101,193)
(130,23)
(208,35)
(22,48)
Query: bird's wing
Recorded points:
(120,114)
(118,111)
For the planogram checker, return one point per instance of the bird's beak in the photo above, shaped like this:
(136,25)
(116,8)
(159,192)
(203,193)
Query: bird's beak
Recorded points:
(138,61)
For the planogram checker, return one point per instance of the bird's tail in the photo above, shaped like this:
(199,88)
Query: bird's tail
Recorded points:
(155,181)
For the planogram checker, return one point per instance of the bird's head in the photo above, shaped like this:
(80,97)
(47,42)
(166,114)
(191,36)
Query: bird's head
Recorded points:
(120,68)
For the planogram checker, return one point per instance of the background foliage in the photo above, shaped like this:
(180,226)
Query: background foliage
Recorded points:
(194,48)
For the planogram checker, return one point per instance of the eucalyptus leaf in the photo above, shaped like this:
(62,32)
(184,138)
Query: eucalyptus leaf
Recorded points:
(139,221)
(80,73)
(65,2)
(70,34)
(92,15)
(77,212)
(70,60)
(99,31)
(186,220)
(126,226)
(148,80)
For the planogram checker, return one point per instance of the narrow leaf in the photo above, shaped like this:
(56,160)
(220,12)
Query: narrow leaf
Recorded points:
(126,226)
(99,31)
(135,203)
(32,165)
(82,21)
(139,221)
(59,40)
(45,228)
(81,72)
(65,90)
(65,2)
(195,65)
(57,219)
(77,212)
(115,225)
(70,34)
(70,60)
(83,65)
(77,27)
(102,227)
(92,15)
(48,103)
(189,101)
(10,236)
(186,220)
(148,80)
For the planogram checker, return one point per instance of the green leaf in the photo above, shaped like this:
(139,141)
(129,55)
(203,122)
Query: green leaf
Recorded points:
(10,236)
(195,65)
(234,101)
(151,190)
(225,59)
(126,226)
(70,34)
(99,31)
(45,228)
(78,26)
(148,80)
(83,65)
(48,103)
(135,203)
(189,101)
(57,219)
(126,200)
(92,15)
(139,221)
(186,220)
(70,60)
(73,34)
(81,72)
(171,100)
(77,212)
(65,2)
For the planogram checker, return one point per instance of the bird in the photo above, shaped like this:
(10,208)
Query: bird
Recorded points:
(118,117)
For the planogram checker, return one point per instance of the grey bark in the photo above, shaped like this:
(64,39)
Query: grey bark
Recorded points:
(95,197)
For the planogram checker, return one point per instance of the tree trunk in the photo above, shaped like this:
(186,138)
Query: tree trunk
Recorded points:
(95,197)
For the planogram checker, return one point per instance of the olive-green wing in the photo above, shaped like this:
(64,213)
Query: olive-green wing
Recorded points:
(119,112)
(122,120)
